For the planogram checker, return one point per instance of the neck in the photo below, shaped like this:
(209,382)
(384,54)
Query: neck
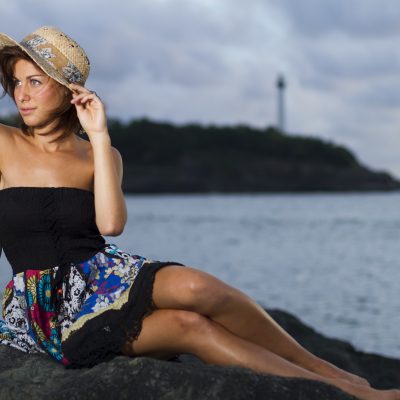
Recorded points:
(48,141)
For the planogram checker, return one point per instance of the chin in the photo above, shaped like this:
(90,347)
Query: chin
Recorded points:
(27,119)
(31,121)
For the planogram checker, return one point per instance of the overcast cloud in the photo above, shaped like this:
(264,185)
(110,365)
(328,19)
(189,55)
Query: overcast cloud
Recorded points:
(216,61)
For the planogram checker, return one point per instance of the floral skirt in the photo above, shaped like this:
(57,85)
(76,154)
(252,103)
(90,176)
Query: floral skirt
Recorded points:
(103,302)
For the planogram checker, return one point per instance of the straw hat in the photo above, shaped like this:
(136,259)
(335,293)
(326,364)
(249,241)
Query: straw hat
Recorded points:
(55,53)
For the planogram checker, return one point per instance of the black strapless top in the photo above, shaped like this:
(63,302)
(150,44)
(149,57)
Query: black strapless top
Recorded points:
(42,227)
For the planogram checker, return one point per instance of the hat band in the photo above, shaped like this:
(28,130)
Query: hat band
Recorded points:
(50,55)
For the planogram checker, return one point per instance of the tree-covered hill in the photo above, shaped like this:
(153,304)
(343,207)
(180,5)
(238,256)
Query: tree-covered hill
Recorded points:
(162,157)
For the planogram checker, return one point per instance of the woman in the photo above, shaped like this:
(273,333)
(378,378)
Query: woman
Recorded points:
(82,300)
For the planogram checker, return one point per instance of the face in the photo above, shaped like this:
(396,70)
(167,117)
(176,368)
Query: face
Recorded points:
(36,94)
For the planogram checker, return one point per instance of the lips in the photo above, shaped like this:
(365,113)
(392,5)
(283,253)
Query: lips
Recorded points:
(26,110)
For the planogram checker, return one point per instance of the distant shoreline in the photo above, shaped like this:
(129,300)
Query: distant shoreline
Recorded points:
(165,158)
(272,193)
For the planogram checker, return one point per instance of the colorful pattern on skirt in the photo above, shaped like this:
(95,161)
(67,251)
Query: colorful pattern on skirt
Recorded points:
(100,286)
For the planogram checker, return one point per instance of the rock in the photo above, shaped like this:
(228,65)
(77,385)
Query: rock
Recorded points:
(381,372)
(143,378)
(36,376)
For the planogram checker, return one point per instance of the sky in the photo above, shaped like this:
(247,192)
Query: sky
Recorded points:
(217,62)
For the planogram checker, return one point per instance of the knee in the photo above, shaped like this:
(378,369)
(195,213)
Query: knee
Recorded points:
(189,328)
(188,322)
(205,294)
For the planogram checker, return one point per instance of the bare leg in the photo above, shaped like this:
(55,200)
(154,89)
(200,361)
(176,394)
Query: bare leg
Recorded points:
(189,332)
(187,288)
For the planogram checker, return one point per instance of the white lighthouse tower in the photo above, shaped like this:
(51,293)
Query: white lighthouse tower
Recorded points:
(281,86)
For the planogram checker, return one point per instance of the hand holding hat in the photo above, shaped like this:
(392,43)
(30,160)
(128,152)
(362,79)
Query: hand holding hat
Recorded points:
(90,110)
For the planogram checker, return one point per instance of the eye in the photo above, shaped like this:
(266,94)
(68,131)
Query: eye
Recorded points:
(35,82)
(16,82)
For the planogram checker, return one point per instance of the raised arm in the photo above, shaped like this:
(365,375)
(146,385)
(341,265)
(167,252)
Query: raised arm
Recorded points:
(111,212)
(2,145)
(3,132)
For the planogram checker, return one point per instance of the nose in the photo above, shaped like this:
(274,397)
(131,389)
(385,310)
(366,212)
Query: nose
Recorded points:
(22,93)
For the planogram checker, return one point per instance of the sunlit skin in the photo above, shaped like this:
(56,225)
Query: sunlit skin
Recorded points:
(36,94)
(195,312)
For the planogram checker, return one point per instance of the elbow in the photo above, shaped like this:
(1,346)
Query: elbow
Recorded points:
(112,230)
(112,226)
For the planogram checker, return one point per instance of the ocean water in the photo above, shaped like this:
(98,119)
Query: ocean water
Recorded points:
(331,259)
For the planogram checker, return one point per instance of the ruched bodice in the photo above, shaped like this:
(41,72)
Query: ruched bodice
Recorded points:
(42,227)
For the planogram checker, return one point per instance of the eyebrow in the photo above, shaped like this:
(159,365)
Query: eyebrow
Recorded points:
(31,76)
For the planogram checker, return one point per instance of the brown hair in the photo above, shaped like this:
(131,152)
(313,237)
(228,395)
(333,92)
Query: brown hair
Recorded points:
(65,115)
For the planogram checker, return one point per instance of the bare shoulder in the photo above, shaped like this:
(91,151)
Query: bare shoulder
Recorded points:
(118,162)
(116,154)
(6,136)
(6,130)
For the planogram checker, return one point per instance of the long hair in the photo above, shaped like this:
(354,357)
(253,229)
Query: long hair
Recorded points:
(64,117)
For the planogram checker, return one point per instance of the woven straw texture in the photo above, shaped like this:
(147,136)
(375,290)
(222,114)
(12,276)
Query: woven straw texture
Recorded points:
(55,53)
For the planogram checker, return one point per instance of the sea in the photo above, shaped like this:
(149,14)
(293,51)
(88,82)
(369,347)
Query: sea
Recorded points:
(333,260)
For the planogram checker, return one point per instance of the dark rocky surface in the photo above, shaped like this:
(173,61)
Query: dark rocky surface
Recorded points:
(381,372)
(35,376)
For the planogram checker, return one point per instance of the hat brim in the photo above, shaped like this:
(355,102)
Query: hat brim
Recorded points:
(43,65)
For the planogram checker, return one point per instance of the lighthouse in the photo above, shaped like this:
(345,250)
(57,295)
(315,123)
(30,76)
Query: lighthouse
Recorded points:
(281,85)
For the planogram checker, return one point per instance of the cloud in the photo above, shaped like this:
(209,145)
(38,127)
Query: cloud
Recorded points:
(362,19)
(217,62)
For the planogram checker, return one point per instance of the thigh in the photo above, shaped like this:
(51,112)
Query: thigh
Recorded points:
(188,288)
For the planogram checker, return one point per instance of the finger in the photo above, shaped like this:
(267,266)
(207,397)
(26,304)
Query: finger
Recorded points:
(75,86)
(84,98)
(78,89)
(86,93)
